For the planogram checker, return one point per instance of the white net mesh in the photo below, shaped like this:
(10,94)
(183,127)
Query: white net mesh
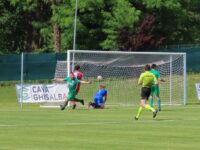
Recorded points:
(120,72)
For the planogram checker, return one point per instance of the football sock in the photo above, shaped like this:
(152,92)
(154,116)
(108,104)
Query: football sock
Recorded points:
(151,102)
(159,102)
(78,100)
(65,104)
(149,108)
(139,112)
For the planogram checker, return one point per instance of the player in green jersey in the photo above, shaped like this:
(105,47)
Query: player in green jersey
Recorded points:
(147,79)
(155,88)
(72,86)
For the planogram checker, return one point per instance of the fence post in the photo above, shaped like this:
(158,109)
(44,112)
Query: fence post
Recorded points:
(22,79)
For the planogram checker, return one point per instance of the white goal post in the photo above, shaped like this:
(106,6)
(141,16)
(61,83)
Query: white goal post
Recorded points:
(120,72)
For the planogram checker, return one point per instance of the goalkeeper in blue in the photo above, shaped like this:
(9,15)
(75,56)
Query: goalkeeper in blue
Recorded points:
(155,88)
(100,98)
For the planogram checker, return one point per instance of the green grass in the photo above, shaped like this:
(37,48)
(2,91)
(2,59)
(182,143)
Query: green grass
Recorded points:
(35,128)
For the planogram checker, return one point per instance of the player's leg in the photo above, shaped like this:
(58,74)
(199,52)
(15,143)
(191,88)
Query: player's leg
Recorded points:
(99,103)
(151,96)
(91,104)
(148,107)
(142,103)
(70,97)
(159,102)
(97,106)
(145,92)
(62,107)
(73,103)
(79,100)
(157,94)
(138,113)
(151,101)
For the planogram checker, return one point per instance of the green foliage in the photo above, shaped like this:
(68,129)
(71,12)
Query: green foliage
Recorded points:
(122,15)
(26,25)
(169,4)
(8,28)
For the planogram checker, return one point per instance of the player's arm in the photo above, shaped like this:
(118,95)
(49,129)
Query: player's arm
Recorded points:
(155,81)
(140,79)
(58,80)
(85,82)
(105,99)
(159,78)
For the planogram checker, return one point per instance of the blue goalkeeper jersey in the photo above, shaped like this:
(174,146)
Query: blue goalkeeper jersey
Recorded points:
(98,98)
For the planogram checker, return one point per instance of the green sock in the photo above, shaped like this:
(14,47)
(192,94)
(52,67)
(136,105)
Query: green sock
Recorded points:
(149,108)
(139,112)
(151,102)
(65,104)
(159,102)
(77,99)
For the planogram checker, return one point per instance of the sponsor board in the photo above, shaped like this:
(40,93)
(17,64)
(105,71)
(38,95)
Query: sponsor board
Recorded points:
(37,93)
(198,90)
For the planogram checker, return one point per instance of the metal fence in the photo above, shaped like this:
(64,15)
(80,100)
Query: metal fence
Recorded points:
(42,66)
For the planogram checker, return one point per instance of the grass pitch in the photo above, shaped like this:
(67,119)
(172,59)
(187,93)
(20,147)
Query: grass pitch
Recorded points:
(35,128)
(175,128)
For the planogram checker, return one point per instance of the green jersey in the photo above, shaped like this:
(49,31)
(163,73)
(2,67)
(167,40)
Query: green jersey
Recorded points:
(147,79)
(72,84)
(156,73)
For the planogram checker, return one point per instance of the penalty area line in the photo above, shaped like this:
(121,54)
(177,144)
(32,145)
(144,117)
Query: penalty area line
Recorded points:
(90,123)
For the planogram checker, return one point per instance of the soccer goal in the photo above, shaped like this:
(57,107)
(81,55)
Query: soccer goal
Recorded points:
(119,72)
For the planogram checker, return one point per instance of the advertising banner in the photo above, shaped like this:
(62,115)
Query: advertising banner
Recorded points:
(198,90)
(37,93)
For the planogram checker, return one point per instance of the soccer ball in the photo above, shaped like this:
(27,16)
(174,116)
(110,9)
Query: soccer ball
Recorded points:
(99,77)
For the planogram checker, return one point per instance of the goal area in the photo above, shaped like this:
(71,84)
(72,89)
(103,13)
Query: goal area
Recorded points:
(120,72)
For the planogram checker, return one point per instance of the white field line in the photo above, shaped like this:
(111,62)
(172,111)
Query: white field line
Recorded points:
(64,124)
(99,123)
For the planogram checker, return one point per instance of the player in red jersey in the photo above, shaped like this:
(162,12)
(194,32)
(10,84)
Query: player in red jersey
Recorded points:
(79,75)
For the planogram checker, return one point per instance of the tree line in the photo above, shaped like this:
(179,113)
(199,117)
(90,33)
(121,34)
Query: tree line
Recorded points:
(126,25)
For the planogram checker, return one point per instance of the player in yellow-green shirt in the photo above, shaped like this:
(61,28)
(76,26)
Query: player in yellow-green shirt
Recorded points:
(147,79)
(155,88)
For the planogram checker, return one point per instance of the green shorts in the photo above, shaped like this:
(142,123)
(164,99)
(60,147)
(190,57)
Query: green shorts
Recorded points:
(71,96)
(155,90)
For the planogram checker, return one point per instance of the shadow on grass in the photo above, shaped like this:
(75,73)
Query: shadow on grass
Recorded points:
(169,119)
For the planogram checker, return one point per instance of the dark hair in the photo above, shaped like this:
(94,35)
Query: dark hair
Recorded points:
(71,73)
(153,66)
(147,67)
(77,67)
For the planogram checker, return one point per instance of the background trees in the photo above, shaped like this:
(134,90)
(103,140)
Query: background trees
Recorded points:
(129,25)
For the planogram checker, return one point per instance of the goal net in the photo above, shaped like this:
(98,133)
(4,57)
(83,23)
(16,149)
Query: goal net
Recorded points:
(120,72)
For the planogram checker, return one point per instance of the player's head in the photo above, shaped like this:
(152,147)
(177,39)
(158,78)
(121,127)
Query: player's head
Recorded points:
(72,76)
(102,86)
(153,66)
(77,67)
(147,67)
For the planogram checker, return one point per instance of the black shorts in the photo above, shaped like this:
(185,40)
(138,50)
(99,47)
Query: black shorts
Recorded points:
(145,93)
